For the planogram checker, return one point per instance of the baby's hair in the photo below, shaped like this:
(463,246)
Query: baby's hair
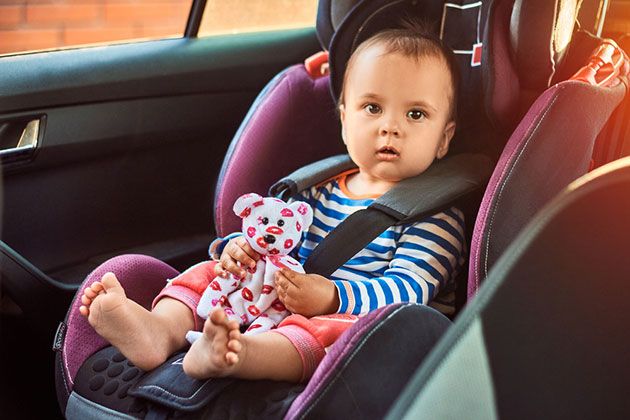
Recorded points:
(412,39)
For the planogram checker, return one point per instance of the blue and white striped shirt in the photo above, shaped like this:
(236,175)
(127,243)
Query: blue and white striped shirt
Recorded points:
(406,263)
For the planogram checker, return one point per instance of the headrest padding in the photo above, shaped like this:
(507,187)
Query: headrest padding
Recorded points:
(540,32)
(330,14)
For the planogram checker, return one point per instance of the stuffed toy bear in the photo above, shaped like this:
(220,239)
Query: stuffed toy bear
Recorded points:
(272,228)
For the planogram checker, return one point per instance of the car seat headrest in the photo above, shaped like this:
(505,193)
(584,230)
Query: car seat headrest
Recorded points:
(330,14)
(540,33)
(366,19)
(525,44)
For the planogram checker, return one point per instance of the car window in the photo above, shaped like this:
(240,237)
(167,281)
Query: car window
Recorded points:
(27,25)
(236,16)
(31,25)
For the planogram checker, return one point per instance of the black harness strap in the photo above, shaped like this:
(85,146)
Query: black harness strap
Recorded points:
(348,238)
(310,175)
(438,188)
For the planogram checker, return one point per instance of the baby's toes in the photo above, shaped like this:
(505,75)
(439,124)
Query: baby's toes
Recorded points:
(231,358)
(209,329)
(86,300)
(90,292)
(234,346)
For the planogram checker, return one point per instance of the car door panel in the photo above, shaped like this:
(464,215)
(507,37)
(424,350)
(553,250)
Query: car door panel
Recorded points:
(131,141)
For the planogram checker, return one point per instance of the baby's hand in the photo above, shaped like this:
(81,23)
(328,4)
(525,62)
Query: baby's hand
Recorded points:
(306,294)
(236,251)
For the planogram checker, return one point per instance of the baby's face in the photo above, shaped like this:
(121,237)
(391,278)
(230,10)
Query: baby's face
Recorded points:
(396,113)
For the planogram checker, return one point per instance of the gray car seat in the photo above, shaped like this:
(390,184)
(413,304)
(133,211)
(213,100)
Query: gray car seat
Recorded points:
(547,335)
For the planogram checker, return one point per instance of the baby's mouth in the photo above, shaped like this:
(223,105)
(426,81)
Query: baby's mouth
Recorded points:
(387,153)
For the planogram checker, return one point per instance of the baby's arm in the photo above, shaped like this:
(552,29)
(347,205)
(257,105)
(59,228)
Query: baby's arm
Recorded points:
(428,256)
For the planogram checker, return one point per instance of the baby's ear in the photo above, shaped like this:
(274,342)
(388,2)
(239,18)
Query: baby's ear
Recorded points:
(243,205)
(449,132)
(304,213)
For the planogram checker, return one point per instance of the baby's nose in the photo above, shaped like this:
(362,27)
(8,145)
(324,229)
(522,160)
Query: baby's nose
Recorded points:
(389,128)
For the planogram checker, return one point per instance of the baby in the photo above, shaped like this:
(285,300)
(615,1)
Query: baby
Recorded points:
(397,110)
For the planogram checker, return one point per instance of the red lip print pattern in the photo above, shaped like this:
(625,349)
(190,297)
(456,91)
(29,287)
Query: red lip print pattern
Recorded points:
(251,231)
(215,286)
(278,306)
(275,230)
(288,243)
(258,203)
(266,289)
(274,252)
(286,212)
(245,213)
(254,326)
(247,294)
(277,261)
(252,309)
(302,209)
(261,242)
(298,226)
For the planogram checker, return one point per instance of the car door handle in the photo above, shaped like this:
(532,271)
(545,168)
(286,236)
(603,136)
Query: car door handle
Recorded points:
(19,137)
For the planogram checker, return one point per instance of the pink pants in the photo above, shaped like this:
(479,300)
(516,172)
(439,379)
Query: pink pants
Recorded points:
(310,336)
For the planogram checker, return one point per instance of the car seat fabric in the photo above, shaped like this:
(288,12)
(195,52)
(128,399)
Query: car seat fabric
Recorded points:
(291,123)
(546,337)
(342,387)
(330,15)
(142,277)
(551,146)
(523,55)
(378,341)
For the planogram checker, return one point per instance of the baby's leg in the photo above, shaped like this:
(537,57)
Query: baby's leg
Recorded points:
(145,337)
(224,351)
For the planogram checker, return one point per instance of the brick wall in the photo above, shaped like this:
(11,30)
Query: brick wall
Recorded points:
(39,24)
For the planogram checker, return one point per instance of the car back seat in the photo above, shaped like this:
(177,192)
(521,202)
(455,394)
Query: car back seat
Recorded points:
(265,129)
(546,337)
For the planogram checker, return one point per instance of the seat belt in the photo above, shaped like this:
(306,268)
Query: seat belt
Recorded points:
(443,184)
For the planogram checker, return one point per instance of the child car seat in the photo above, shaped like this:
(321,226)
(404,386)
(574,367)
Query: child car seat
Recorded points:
(538,341)
(82,371)
(553,143)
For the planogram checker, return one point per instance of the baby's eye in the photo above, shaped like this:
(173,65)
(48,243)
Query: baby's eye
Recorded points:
(280,222)
(265,221)
(372,109)
(416,114)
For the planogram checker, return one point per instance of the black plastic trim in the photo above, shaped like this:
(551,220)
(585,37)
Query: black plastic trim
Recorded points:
(194,19)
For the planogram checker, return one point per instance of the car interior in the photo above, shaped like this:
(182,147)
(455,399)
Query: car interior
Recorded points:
(137,150)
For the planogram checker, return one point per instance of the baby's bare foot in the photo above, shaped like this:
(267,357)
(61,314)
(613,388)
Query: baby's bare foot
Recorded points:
(121,321)
(219,351)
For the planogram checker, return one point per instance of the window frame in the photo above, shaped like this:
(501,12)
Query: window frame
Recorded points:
(194,18)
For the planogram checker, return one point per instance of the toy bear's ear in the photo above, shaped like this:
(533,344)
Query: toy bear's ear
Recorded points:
(304,213)
(243,205)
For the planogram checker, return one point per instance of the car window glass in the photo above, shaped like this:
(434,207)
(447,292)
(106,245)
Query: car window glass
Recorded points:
(27,25)
(236,16)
